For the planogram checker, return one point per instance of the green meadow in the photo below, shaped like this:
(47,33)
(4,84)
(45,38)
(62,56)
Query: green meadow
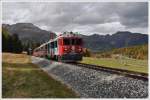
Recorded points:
(120,63)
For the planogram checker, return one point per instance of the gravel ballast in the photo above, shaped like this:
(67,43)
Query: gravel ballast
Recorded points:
(94,84)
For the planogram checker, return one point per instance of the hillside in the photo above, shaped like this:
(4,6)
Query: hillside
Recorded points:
(117,40)
(30,32)
(137,52)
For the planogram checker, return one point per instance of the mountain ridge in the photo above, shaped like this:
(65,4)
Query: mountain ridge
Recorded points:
(29,32)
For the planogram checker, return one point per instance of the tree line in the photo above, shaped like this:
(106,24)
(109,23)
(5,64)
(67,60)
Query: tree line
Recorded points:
(11,43)
(137,52)
(29,46)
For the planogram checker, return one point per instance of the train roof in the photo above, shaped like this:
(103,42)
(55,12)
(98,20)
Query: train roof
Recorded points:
(67,34)
(63,35)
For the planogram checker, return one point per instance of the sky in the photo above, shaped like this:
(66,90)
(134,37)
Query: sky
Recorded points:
(87,18)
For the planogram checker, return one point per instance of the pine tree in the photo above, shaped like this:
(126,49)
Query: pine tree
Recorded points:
(5,37)
(16,44)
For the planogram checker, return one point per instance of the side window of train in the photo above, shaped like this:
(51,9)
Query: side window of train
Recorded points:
(52,44)
(55,44)
(48,47)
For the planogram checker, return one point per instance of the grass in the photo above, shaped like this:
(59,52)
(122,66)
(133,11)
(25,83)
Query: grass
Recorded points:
(128,64)
(22,79)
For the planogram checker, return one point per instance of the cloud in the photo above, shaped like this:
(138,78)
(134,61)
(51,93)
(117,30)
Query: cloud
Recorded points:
(88,18)
(134,15)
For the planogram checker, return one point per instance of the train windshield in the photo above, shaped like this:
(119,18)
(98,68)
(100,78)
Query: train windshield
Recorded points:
(72,41)
(66,41)
(78,41)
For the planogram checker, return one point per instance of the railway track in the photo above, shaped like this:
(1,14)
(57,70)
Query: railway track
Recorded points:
(88,83)
(136,75)
(133,74)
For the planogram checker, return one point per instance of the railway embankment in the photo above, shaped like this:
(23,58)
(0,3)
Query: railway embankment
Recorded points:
(92,83)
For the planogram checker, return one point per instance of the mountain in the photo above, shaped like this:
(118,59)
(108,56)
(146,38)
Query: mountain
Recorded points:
(29,32)
(119,39)
(95,42)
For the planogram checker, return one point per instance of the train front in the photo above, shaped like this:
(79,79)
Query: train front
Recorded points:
(70,48)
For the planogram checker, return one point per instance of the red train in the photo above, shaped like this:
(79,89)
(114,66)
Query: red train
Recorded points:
(66,48)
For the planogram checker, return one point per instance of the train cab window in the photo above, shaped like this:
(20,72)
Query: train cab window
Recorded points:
(78,41)
(73,41)
(66,41)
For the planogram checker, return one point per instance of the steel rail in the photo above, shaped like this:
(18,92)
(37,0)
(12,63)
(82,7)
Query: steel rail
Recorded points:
(133,74)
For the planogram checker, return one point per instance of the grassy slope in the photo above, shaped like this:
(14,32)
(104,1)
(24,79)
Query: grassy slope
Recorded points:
(20,78)
(128,64)
(136,52)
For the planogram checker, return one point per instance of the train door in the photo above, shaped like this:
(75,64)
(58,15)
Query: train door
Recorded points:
(52,49)
(56,48)
(60,46)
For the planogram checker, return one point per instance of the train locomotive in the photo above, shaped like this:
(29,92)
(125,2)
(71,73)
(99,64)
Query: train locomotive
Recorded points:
(66,47)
